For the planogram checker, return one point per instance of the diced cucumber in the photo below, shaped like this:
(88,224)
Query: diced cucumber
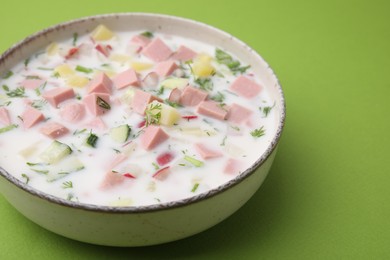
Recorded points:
(64,167)
(55,152)
(120,133)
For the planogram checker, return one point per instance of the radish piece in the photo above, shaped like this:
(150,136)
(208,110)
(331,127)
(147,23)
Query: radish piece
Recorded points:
(164,158)
(71,52)
(161,174)
(129,175)
(189,117)
(105,50)
(150,80)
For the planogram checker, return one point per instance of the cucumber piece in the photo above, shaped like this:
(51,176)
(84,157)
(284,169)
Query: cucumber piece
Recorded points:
(64,167)
(55,152)
(120,133)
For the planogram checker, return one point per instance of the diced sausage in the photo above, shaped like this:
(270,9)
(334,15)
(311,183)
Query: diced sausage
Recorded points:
(4,116)
(31,117)
(212,109)
(157,50)
(54,130)
(233,166)
(192,96)
(32,83)
(72,112)
(112,179)
(205,152)
(97,103)
(152,137)
(140,40)
(141,100)
(101,83)
(245,87)
(97,124)
(165,68)
(150,80)
(126,78)
(238,114)
(118,159)
(57,95)
(175,95)
(184,54)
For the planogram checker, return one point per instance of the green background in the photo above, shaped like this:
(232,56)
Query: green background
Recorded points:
(327,195)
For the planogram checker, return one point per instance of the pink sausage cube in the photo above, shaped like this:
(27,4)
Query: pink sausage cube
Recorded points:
(72,112)
(166,68)
(101,83)
(141,100)
(140,40)
(233,166)
(32,83)
(4,116)
(157,50)
(126,78)
(152,137)
(206,152)
(31,117)
(192,96)
(245,87)
(112,179)
(238,114)
(97,103)
(212,109)
(54,130)
(97,124)
(57,95)
(184,54)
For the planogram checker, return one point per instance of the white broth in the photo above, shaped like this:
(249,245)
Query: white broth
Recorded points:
(135,124)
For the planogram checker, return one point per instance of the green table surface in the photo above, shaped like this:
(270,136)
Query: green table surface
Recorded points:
(327,194)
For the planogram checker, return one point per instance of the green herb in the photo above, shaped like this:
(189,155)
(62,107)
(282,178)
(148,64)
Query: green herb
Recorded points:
(40,171)
(205,83)
(33,164)
(18,92)
(193,161)
(226,59)
(147,34)
(7,128)
(78,97)
(83,69)
(5,87)
(223,141)
(43,68)
(27,179)
(56,74)
(7,75)
(235,128)
(153,114)
(92,139)
(75,37)
(26,62)
(39,104)
(196,185)
(266,110)
(219,97)
(160,91)
(77,132)
(71,197)
(116,150)
(32,77)
(5,104)
(102,103)
(172,104)
(155,165)
(258,132)
(67,185)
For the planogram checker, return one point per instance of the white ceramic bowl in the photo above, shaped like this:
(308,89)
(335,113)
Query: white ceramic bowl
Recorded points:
(144,225)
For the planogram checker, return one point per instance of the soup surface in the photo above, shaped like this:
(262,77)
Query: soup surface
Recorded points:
(132,118)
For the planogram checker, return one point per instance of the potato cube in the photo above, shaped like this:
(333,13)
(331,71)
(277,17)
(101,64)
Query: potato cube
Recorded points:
(202,66)
(102,33)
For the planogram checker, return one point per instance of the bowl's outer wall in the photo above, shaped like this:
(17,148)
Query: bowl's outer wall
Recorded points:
(166,224)
(134,229)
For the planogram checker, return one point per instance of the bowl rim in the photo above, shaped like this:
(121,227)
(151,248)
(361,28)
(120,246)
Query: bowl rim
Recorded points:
(160,206)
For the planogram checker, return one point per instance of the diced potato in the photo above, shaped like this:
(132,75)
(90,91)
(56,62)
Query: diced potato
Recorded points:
(122,203)
(197,131)
(52,49)
(120,58)
(77,81)
(140,66)
(169,115)
(102,33)
(64,70)
(202,66)
(29,150)
(172,83)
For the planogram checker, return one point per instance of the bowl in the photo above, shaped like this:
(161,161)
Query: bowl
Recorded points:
(158,223)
